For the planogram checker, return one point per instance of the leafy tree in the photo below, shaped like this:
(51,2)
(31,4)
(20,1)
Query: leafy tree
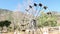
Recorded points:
(47,20)
(4,23)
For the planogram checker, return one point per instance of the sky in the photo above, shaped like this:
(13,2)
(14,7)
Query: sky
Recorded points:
(53,5)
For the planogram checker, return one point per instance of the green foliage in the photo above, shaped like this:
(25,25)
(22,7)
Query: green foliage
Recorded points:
(5,23)
(1,24)
(46,20)
(10,29)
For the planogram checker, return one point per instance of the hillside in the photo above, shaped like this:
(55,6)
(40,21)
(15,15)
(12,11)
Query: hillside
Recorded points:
(5,14)
(2,11)
(17,18)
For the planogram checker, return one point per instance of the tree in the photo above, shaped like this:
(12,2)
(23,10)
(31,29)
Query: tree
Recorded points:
(4,23)
(47,20)
(7,23)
